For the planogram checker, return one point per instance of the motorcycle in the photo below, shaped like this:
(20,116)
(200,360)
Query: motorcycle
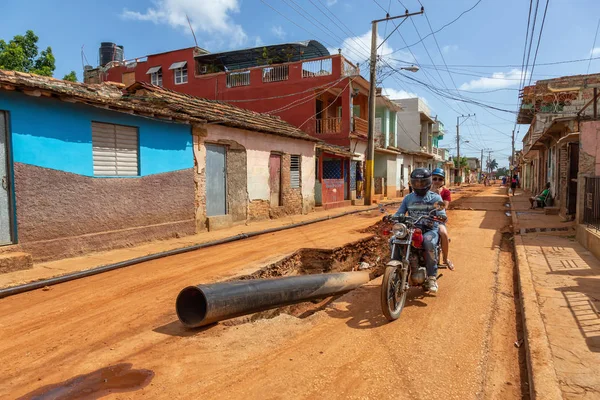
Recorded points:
(406,268)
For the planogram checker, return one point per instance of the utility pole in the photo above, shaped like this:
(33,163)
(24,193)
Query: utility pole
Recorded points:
(458,144)
(481,166)
(370,159)
(512,158)
(488,161)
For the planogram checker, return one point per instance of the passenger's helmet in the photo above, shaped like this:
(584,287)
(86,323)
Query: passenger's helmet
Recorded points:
(420,180)
(439,172)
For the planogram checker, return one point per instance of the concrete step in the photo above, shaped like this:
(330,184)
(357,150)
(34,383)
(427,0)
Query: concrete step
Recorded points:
(15,261)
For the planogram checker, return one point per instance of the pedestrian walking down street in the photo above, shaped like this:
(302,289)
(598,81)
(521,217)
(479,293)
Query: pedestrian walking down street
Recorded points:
(359,180)
(514,183)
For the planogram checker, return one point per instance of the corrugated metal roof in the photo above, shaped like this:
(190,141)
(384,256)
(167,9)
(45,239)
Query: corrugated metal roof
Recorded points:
(177,65)
(264,55)
(153,70)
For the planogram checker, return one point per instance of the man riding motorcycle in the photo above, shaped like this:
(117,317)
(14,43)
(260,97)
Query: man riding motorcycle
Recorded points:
(421,202)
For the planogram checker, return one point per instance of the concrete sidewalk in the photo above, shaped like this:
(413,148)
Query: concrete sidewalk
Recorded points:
(560,293)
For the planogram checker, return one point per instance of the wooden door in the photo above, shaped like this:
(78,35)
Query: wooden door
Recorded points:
(572,182)
(275,179)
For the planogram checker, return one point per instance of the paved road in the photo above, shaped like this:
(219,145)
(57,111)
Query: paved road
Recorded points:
(120,329)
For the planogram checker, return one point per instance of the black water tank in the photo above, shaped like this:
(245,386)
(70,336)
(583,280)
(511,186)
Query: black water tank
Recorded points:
(110,52)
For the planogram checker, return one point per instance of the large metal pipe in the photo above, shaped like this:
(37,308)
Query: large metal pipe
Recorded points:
(205,304)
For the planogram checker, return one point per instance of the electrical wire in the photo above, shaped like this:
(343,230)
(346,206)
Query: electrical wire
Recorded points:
(593,47)
(440,29)
(538,42)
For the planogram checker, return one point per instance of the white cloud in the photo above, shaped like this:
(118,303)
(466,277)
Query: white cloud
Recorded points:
(595,52)
(449,48)
(331,2)
(278,31)
(258,42)
(211,17)
(396,94)
(357,50)
(496,81)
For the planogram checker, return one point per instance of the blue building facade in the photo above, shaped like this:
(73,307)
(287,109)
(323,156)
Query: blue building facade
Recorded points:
(62,205)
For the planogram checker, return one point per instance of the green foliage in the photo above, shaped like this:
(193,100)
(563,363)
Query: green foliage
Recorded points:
(503,172)
(492,165)
(463,162)
(21,54)
(71,76)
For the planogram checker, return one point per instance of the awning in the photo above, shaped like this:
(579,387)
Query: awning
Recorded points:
(177,65)
(153,70)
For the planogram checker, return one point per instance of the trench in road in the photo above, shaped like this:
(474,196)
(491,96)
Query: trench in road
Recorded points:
(245,353)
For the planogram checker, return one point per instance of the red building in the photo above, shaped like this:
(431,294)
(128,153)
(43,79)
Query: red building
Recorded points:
(321,94)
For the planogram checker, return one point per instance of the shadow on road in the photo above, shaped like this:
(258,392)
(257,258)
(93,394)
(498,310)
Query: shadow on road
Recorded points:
(363,309)
(175,328)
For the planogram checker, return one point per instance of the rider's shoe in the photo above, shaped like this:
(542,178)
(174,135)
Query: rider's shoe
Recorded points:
(432,285)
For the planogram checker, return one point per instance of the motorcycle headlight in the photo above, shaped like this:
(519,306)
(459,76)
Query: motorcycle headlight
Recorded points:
(400,230)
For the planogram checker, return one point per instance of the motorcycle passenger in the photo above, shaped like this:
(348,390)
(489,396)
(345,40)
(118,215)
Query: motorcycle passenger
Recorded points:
(420,202)
(439,180)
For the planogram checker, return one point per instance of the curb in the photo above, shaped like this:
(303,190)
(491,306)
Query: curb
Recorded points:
(38,284)
(543,382)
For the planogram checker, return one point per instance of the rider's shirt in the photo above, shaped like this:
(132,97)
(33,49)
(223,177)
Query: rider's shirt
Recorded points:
(417,206)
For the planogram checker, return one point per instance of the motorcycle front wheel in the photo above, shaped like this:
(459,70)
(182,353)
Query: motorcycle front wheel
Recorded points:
(393,296)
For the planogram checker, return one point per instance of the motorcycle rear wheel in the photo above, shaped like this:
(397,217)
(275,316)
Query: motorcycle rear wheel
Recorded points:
(393,296)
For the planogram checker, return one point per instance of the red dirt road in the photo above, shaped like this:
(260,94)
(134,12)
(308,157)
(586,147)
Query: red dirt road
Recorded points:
(456,345)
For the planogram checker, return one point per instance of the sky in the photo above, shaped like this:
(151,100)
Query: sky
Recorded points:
(477,58)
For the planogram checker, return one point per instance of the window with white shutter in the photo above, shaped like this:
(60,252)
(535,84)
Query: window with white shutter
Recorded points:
(295,162)
(115,150)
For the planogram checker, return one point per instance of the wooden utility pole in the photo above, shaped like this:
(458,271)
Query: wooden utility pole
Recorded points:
(370,159)
(458,144)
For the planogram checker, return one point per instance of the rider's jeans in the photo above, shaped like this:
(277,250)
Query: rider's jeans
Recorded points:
(430,242)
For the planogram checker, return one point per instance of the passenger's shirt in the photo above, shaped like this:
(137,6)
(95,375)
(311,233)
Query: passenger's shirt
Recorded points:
(446,194)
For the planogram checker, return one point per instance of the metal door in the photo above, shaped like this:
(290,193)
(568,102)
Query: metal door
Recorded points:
(5,194)
(216,197)
(275,179)
(572,183)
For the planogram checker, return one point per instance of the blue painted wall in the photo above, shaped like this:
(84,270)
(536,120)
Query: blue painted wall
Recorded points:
(53,134)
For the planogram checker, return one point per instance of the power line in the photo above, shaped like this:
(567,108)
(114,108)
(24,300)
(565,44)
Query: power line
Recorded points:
(442,28)
(507,65)
(538,42)
(593,47)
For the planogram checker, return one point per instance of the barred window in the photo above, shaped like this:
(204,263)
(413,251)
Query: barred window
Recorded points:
(295,163)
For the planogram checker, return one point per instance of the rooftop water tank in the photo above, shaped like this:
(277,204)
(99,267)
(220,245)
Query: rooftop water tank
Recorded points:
(110,52)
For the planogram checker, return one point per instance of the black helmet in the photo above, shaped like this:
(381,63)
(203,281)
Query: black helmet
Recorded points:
(420,180)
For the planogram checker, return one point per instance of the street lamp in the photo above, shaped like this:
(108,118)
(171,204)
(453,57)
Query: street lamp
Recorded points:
(412,68)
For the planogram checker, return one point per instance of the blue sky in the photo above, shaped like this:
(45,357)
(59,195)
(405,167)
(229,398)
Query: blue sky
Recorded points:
(493,33)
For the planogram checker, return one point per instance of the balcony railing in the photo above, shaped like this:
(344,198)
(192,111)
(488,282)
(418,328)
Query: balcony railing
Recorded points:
(360,125)
(321,67)
(350,69)
(235,79)
(276,73)
(328,125)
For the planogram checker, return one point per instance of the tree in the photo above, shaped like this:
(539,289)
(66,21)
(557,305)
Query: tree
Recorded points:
(492,165)
(463,162)
(21,54)
(502,172)
(71,76)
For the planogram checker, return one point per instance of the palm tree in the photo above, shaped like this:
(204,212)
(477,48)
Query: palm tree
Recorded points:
(492,165)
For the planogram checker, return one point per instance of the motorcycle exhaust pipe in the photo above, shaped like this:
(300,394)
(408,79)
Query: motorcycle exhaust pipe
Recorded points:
(202,305)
